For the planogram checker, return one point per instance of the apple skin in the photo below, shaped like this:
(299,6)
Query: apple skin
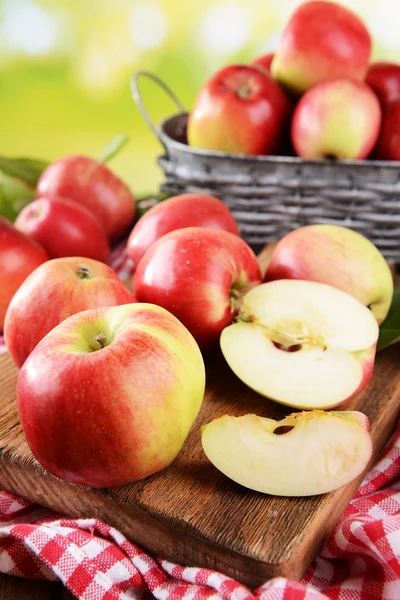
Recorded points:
(384,79)
(56,290)
(241,109)
(264,62)
(104,416)
(91,184)
(64,228)
(337,256)
(198,275)
(388,146)
(19,257)
(185,210)
(340,119)
(321,41)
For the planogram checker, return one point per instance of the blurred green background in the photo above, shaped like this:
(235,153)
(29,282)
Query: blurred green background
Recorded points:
(65,67)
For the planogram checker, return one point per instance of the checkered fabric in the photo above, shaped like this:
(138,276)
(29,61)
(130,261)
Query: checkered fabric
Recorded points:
(360,561)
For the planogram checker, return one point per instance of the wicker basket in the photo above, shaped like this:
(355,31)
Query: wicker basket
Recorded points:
(272,195)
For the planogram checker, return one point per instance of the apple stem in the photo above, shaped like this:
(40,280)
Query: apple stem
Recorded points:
(83,272)
(101,340)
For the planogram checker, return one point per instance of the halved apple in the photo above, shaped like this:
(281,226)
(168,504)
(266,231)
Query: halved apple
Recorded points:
(305,454)
(301,343)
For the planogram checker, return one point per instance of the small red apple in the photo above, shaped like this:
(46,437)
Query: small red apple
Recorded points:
(388,147)
(264,61)
(199,275)
(109,395)
(384,78)
(64,228)
(56,290)
(91,184)
(339,119)
(19,256)
(241,110)
(185,210)
(321,41)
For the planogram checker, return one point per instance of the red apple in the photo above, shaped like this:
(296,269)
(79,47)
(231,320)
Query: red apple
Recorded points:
(388,147)
(19,256)
(340,119)
(321,41)
(199,275)
(384,78)
(241,110)
(186,210)
(110,395)
(64,228)
(91,184)
(264,62)
(56,290)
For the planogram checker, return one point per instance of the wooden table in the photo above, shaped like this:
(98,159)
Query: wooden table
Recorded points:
(16,588)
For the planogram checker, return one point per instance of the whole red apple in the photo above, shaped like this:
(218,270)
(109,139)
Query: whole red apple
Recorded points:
(91,184)
(185,210)
(58,289)
(109,395)
(339,119)
(264,61)
(199,275)
(321,41)
(19,256)
(388,147)
(241,110)
(64,228)
(384,78)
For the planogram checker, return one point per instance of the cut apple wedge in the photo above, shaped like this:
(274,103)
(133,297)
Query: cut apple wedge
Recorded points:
(306,454)
(301,343)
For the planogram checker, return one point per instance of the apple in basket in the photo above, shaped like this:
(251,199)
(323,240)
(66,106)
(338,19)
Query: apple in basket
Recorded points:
(110,394)
(388,147)
(339,119)
(384,78)
(57,289)
(19,257)
(64,228)
(304,344)
(305,454)
(199,275)
(91,184)
(321,41)
(241,109)
(344,258)
(185,210)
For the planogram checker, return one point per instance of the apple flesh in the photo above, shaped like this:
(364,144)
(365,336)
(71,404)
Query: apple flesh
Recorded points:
(337,256)
(322,41)
(19,257)
(384,79)
(301,343)
(305,454)
(91,184)
(199,275)
(388,146)
(339,119)
(64,228)
(239,110)
(109,395)
(185,210)
(56,290)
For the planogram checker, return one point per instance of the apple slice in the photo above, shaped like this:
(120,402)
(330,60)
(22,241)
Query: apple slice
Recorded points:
(306,454)
(305,344)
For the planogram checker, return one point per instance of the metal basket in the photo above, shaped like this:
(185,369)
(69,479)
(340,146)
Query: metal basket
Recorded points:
(272,195)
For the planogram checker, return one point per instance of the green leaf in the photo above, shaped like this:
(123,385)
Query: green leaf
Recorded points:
(14,196)
(389,332)
(112,148)
(27,169)
(144,203)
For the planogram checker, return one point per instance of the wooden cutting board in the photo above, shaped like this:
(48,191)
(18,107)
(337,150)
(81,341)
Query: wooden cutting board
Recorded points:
(192,514)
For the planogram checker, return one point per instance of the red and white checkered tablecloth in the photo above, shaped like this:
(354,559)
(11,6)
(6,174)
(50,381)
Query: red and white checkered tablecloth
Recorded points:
(360,561)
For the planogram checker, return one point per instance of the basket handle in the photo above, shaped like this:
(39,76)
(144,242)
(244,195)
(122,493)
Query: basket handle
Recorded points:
(139,101)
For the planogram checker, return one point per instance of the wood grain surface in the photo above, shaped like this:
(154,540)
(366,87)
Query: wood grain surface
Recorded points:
(16,588)
(192,514)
